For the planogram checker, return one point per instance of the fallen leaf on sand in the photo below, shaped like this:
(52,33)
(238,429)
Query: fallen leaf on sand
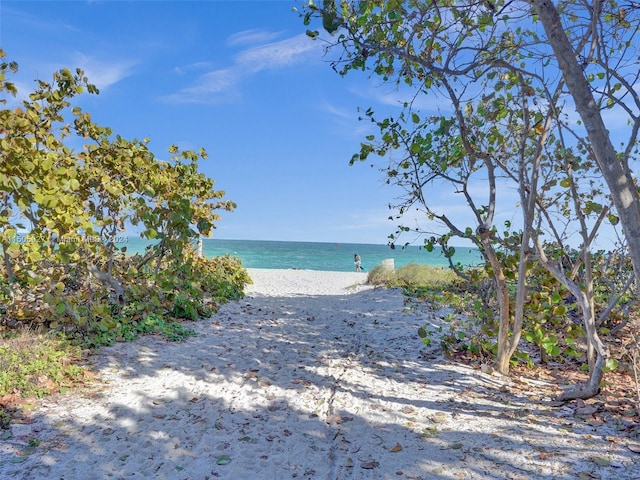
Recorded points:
(331,419)
(369,465)
(429,432)
(586,411)
(602,461)
(396,448)
(586,476)
(223,460)
(439,417)
(634,447)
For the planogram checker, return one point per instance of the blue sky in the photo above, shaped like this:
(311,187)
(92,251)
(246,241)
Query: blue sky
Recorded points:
(239,78)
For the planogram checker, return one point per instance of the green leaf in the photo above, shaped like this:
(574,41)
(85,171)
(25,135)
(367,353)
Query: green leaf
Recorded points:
(592,207)
(223,460)
(330,22)
(34,256)
(610,365)
(9,235)
(13,250)
(559,310)
(484,21)
(46,164)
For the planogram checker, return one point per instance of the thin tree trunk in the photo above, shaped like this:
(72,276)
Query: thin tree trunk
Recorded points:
(8,265)
(504,354)
(590,388)
(596,350)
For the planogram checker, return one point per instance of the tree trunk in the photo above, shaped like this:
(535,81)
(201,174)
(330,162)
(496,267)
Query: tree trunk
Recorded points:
(8,264)
(617,175)
(596,351)
(504,345)
(587,390)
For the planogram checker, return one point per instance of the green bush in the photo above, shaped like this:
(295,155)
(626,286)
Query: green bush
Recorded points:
(186,290)
(412,276)
(36,364)
(68,276)
(471,327)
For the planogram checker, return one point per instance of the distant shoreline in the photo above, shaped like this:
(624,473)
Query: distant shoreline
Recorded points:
(319,256)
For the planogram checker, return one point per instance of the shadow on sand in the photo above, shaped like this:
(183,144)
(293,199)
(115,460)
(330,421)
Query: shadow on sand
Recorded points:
(330,387)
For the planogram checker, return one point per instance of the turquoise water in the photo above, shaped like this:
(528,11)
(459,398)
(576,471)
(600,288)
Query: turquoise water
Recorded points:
(319,256)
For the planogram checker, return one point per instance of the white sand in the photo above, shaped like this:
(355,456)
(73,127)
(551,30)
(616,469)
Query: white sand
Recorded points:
(311,376)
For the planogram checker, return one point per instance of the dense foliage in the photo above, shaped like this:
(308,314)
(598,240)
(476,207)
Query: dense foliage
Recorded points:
(63,213)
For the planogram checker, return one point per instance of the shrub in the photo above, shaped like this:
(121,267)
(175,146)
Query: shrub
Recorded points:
(36,364)
(412,276)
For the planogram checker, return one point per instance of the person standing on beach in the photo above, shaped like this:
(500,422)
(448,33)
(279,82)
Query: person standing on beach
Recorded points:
(358,262)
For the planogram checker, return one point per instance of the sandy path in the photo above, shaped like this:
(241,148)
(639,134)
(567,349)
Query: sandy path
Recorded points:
(309,376)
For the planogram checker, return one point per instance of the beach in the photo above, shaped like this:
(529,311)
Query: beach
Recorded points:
(313,375)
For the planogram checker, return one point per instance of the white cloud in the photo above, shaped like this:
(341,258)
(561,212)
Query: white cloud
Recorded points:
(181,70)
(213,82)
(221,85)
(276,54)
(345,121)
(103,73)
(247,37)
(337,111)
(214,87)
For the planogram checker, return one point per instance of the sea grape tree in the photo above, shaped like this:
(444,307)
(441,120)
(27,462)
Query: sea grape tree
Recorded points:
(62,211)
(597,56)
(509,110)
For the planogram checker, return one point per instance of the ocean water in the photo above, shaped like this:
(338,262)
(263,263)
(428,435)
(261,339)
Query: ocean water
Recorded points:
(336,257)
